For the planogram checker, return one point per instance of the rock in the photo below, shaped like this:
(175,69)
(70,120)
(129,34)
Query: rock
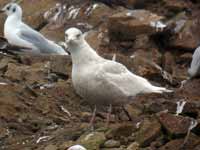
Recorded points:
(126,25)
(57,63)
(99,14)
(3,132)
(36,73)
(120,130)
(111,144)
(92,141)
(133,110)
(61,65)
(56,35)
(4,63)
(184,33)
(190,90)
(143,60)
(149,130)
(175,125)
(51,147)
(133,146)
(33,11)
(177,144)
(175,5)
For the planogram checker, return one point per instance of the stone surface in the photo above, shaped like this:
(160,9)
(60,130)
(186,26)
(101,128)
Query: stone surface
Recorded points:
(175,125)
(149,130)
(92,141)
(127,24)
(111,144)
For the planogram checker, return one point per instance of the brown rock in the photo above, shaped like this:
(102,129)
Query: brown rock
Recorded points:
(192,142)
(185,35)
(36,73)
(149,130)
(51,147)
(175,125)
(127,24)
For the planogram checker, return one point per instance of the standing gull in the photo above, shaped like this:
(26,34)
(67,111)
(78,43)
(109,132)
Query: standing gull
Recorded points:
(20,34)
(102,81)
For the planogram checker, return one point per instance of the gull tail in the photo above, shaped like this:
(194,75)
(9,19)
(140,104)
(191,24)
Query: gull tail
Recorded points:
(156,89)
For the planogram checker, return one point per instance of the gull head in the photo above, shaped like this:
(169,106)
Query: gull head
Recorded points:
(12,9)
(73,37)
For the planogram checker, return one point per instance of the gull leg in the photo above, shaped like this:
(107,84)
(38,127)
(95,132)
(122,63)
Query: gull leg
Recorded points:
(108,115)
(93,118)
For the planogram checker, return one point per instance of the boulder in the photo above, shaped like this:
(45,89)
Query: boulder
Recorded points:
(126,25)
(92,141)
(177,144)
(149,130)
(111,144)
(174,125)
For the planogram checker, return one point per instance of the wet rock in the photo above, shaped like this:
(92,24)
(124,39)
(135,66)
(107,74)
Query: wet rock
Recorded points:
(175,125)
(92,141)
(177,144)
(111,144)
(133,146)
(127,24)
(149,130)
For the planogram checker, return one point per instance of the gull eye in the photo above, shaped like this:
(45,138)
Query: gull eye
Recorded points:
(78,35)
(66,36)
(8,8)
(14,9)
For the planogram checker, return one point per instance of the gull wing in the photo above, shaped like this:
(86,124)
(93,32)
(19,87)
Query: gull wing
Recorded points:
(38,40)
(195,64)
(116,75)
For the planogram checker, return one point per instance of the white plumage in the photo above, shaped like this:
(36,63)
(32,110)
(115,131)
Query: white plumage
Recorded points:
(102,81)
(194,69)
(20,34)
(76,147)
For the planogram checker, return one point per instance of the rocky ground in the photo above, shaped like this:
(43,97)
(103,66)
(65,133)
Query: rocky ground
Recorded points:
(39,109)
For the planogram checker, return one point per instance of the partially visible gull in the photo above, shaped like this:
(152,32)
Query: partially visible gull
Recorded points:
(194,69)
(76,147)
(20,34)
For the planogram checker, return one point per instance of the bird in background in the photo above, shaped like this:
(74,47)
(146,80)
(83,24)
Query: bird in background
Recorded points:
(194,70)
(20,34)
(101,81)
(76,147)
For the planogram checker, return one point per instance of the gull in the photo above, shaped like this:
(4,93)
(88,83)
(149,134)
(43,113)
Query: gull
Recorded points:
(19,34)
(101,81)
(194,70)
